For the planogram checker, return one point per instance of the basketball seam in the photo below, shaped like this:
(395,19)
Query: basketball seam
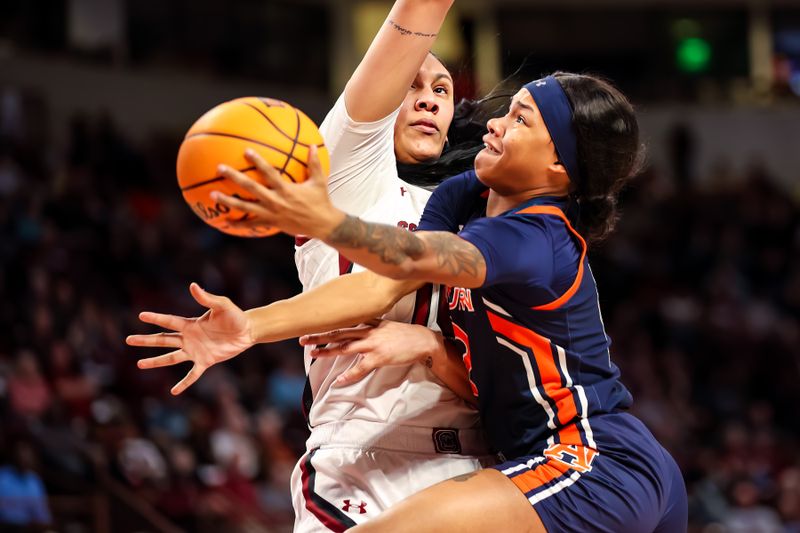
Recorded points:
(294,145)
(272,123)
(213,180)
(233,136)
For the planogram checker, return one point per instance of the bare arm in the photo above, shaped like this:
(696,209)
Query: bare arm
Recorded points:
(381,80)
(342,302)
(224,330)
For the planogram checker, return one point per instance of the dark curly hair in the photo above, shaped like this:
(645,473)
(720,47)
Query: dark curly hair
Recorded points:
(610,152)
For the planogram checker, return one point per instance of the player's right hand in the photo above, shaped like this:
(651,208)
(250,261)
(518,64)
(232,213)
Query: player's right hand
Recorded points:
(221,333)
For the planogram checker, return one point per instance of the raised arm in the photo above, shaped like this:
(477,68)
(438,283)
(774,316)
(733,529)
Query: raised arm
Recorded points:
(224,330)
(381,80)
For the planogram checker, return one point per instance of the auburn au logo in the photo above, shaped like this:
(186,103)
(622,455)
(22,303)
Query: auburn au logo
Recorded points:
(362,507)
(576,457)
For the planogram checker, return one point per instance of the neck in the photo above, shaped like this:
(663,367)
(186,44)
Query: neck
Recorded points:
(498,203)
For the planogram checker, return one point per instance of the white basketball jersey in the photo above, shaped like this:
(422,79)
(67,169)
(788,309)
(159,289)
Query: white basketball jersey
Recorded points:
(364,182)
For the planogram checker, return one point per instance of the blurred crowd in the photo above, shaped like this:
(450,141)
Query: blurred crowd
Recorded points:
(700,288)
(91,237)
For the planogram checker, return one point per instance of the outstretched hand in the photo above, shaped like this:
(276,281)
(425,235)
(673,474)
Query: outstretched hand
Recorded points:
(294,208)
(376,343)
(221,333)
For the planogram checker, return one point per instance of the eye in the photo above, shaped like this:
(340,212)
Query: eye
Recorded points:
(520,120)
(441,90)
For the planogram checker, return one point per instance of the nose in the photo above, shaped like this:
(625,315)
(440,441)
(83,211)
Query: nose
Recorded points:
(425,102)
(495,127)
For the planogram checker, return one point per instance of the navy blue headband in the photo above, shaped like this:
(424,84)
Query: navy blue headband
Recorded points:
(556,112)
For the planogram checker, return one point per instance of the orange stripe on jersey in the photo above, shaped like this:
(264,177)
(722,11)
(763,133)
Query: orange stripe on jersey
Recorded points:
(541,475)
(570,435)
(545,362)
(552,210)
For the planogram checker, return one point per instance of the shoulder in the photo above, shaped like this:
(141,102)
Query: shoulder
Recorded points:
(511,225)
(339,119)
(461,189)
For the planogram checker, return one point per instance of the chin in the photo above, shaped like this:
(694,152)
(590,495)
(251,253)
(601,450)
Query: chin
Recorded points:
(484,169)
(424,155)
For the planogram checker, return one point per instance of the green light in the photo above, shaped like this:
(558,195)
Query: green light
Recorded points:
(693,54)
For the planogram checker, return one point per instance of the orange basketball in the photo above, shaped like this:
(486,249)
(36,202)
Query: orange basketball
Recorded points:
(278,132)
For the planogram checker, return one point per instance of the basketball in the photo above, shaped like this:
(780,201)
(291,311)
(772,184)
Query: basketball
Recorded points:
(277,131)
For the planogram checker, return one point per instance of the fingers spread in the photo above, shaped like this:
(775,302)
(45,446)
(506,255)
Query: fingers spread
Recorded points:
(205,298)
(237,203)
(175,323)
(337,335)
(315,172)
(168,359)
(271,176)
(156,340)
(242,180)
(355,373)
(350,347)
(193,375)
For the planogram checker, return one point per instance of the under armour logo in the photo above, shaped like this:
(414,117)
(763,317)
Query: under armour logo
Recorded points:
(541,82)
(362,508)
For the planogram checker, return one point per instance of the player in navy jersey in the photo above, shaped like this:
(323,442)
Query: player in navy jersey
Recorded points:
(524,305)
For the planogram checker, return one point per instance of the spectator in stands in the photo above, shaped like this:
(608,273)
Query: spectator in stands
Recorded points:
(23,500)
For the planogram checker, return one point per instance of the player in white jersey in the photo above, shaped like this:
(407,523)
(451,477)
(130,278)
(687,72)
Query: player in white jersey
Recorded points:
(375,441)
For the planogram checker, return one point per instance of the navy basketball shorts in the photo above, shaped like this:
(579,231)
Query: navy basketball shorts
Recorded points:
(626,483)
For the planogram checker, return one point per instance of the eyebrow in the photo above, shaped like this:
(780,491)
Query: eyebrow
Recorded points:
(523,106)
(441,75)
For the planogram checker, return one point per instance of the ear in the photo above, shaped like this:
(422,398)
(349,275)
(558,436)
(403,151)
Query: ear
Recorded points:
(558,175)
(557,167)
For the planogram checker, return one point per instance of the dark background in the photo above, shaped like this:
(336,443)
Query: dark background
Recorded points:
(700,285)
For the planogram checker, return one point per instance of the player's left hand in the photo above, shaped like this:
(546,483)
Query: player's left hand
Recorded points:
(376,343)
(294,208)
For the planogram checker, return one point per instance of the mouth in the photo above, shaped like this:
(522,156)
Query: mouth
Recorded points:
(489,147)
(425,126)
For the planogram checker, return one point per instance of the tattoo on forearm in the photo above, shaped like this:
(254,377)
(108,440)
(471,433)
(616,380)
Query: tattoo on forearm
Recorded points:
(391,245)
(454,254)
(429,362)
(464,477)
(404,31)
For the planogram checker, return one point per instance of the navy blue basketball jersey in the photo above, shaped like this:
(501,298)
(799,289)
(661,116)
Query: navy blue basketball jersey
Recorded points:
(533,335)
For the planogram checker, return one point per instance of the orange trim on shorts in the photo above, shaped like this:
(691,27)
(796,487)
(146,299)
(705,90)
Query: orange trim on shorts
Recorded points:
(566,409)
(555,211)
(542,474)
